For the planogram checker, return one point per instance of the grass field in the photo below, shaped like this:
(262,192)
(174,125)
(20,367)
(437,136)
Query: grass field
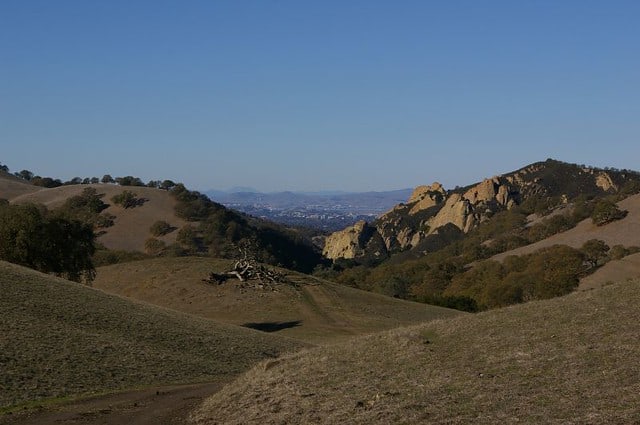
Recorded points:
(315,311)
(62,339)
(570,360)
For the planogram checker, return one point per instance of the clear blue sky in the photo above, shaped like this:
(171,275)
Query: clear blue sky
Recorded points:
(317,95)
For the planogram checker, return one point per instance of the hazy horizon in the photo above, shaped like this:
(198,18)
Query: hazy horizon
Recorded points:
(299,96)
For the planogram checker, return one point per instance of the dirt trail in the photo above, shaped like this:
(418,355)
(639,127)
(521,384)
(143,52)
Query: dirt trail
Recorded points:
(154,406)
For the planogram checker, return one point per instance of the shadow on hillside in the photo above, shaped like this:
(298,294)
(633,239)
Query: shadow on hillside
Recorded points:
(272,326)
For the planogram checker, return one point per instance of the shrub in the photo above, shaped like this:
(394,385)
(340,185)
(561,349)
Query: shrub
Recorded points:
(161,228)
(595,251)
(126,199)
(605,212)
(153,246)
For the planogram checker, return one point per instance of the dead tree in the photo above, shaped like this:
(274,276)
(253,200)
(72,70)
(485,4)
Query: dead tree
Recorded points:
(249,272)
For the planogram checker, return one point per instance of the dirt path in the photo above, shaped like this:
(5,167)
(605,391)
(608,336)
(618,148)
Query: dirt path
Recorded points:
(157,406)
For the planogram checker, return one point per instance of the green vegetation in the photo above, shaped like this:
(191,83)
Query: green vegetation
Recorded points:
(126,199)
(161,228)
(547,273)
(31,236)
(606,211)
(87,208)
(220,231)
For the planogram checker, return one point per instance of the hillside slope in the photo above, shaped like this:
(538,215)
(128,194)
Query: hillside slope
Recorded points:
(11,186)
(614,271)
(61,338)
(131,225)
(434,217)
(623,232)
(317,311)
(570,360)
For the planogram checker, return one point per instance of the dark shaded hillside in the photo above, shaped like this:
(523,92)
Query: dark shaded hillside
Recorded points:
(221,231)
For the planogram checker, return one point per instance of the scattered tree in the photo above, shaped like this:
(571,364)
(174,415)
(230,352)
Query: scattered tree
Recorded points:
(25,175)
(107,179)
(167,185)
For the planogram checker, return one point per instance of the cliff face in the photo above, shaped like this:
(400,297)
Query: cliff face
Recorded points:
(431,207)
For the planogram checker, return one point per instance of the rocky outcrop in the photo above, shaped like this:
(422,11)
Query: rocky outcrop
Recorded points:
(428,209)
(491,190)
(355,241)
(458,211)
(424,197)
(431,212)
(604,182)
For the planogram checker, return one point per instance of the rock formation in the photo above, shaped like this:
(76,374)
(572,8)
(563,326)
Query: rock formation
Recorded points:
(458,211)
(603,181)
(424,197)
(430,207)
(354,241)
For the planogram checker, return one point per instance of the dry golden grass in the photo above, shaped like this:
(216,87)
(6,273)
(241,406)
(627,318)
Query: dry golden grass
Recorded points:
(131,228)
(614,271)
(60,338)
(326,312)
(11,186)
(622,232)
(570,360)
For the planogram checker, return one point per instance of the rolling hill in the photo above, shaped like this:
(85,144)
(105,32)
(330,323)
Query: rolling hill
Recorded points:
(131,225)
(620,232)
(11,186)
(624,232)
(315,311)
(570,360)
(63,339)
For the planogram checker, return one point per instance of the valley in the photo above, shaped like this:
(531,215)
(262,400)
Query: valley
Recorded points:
(363,334)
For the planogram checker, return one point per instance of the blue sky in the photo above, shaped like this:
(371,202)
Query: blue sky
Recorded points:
(322,95)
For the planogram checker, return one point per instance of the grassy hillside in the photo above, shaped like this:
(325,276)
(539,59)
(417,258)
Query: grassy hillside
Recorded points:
(131,225)
(60,338)
(11,186)
(621,232)
(568,360)
(624,232)
(317,311)
(614,271)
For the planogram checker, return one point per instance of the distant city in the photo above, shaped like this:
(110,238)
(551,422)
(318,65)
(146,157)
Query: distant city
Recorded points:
(322,210)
